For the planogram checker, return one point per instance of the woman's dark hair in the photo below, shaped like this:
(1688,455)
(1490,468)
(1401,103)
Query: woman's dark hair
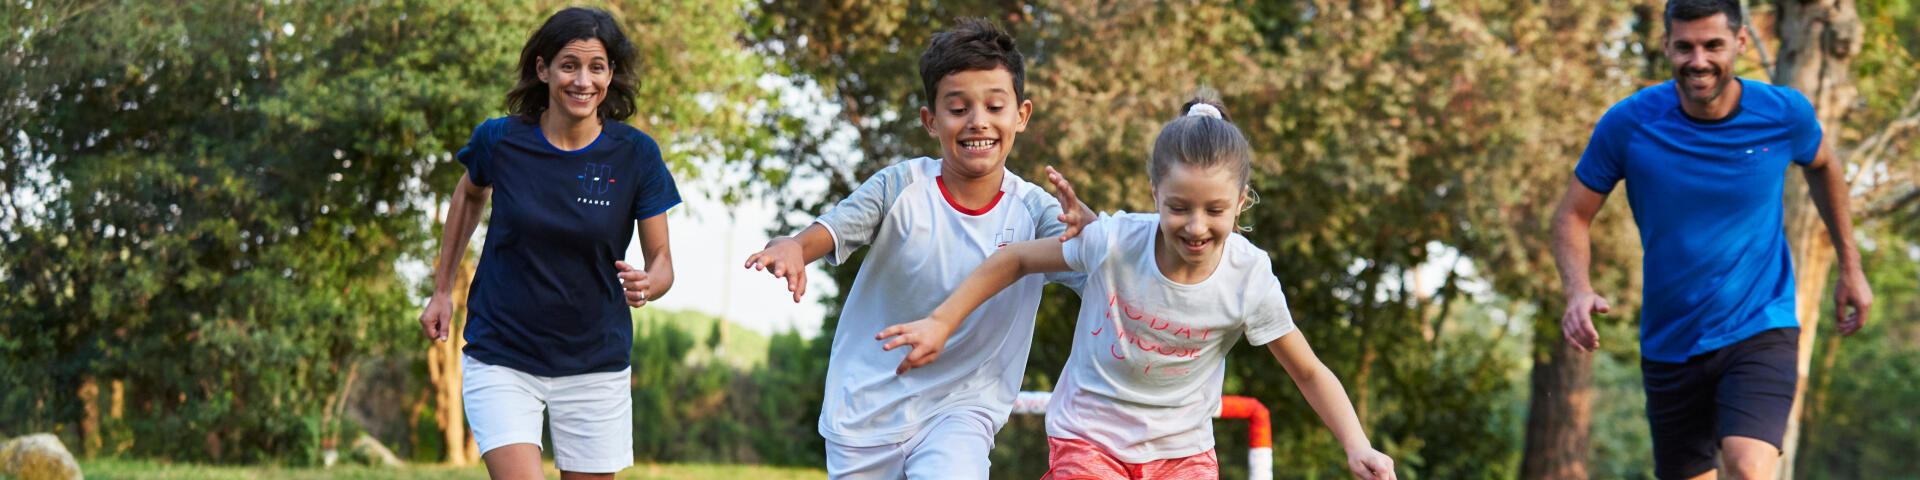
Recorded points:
(528,98)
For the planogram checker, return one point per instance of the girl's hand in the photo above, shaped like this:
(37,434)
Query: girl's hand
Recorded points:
(1370,464)
(783,258)
(927,336)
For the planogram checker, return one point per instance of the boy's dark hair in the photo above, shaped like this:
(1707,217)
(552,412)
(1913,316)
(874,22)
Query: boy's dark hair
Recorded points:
(528,99)
(972,44)
(1690,10)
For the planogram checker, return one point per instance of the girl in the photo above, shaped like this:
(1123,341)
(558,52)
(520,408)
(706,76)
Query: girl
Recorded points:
(1137,395)
(549,326)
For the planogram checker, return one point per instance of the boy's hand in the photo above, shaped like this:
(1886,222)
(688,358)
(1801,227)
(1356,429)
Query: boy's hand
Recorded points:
(1370,464)
(927,336)
(1074,213)
(634,281)
(784,259)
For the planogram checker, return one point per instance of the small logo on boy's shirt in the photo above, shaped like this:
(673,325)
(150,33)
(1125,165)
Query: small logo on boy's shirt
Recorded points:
(1003,238)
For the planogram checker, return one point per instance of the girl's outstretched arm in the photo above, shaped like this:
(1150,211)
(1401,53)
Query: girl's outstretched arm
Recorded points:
(928,336)
(1329,399)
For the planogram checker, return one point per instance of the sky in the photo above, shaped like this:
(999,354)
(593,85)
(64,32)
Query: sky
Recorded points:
(711,240)
(709,251)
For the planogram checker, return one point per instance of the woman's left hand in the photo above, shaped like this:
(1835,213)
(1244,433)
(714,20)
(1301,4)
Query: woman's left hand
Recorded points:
(635,282)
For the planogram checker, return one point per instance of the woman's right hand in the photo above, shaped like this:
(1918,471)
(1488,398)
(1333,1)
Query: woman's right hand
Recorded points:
(437,320)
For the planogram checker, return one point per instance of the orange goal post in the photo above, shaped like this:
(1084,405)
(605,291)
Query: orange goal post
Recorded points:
(1259,426)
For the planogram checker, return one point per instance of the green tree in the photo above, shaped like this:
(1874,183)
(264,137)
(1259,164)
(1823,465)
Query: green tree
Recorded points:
(208,203)
(1857,63)
(1364,118)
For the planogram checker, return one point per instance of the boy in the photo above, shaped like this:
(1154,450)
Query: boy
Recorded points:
(930,222)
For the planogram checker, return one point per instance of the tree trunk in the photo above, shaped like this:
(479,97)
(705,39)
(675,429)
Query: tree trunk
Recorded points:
(443,371)
(1559,412)
(90,425)
(1817,42)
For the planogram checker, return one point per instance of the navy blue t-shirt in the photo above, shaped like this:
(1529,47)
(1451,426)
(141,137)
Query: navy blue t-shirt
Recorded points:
(546,298)
(1706,196)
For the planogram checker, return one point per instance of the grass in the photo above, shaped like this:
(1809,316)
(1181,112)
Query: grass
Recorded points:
(742,347)
(143,469)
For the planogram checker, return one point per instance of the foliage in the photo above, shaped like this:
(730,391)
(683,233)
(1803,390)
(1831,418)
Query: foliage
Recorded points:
(1400,106)
(1861,396)
(210,207)
(184,222)
(782,401)
(695,404)
(679,407)
(211,203)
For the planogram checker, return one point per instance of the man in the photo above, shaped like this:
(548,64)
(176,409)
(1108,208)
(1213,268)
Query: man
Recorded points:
(1705,157)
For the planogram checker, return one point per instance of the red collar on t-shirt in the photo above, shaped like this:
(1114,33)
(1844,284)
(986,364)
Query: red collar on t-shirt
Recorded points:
(941,180)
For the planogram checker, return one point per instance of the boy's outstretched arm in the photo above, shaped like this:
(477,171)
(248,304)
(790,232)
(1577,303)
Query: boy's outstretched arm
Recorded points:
(1329,399)
(928,336)
(787,257)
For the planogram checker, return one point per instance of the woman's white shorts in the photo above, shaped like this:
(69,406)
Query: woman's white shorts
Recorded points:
(592,414)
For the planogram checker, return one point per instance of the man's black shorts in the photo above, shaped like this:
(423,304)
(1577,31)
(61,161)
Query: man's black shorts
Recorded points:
(1744,389)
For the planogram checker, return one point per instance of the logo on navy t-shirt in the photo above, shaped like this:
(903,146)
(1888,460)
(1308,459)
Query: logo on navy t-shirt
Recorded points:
(596,180)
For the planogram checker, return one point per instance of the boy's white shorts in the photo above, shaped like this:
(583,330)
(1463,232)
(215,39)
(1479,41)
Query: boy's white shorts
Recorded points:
(592,414)
(952,446)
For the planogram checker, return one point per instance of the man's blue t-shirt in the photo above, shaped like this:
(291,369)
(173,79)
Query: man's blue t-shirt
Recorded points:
(1706,196)
(546,298)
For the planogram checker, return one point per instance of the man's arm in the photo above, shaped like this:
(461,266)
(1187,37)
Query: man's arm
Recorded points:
(1572,252)
(1827,185)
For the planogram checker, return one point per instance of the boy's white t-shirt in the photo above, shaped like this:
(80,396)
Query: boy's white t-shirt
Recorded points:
(924,245)
(1144,378)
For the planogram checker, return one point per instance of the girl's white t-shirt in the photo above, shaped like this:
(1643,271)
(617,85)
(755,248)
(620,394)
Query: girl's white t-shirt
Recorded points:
(1144,378)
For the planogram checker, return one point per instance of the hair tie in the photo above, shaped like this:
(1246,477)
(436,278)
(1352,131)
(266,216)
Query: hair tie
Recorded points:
(1204,110)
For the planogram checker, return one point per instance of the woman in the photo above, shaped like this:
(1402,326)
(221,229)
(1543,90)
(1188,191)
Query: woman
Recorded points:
(549,325)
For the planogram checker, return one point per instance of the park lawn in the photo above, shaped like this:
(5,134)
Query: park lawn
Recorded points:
(140,469)
(741,347)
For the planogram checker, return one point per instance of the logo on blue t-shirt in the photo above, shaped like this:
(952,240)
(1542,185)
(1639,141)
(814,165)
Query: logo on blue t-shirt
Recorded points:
(597,179)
